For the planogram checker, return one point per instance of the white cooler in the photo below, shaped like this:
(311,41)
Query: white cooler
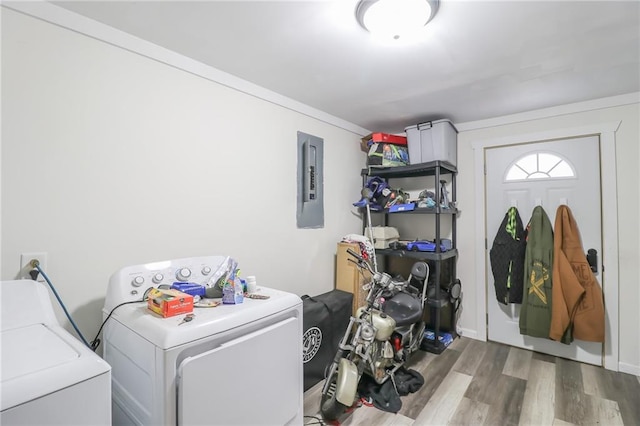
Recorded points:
(431,141)
(383,235)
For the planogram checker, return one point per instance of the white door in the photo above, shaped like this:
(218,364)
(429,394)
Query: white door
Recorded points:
(254,379)
(549,174)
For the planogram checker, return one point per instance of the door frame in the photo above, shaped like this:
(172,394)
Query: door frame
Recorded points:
(609,277)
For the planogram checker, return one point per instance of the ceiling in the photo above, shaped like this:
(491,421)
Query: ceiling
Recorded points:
(475,59)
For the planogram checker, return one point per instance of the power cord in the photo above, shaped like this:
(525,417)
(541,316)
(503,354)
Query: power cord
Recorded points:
(36,265)
(95,343)
(316,420)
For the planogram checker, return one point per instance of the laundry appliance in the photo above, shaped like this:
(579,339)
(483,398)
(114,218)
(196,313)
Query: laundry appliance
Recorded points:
(48,376)
(237,364)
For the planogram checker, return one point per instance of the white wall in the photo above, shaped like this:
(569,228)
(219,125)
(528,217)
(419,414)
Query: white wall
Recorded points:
(111,159)
(628,178)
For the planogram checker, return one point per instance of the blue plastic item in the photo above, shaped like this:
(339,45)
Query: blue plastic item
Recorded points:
(402,207)
(445,338)
(193,289)
(424,246)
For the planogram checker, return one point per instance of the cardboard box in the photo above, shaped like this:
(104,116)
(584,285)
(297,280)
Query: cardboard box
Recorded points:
(169,303)
(348,277)
(431,141)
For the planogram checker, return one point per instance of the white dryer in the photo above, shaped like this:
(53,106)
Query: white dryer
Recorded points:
(48,376)
(231,365)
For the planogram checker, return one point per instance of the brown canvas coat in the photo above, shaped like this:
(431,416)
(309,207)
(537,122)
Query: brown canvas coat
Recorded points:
(577,310)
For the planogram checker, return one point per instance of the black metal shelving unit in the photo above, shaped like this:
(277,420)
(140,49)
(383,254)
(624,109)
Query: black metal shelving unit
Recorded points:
(440,299)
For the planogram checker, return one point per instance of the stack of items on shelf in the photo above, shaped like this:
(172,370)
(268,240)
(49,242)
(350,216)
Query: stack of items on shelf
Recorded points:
(379,195)
(385,150)
(443,291)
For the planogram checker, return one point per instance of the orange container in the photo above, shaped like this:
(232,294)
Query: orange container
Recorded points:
(169,303)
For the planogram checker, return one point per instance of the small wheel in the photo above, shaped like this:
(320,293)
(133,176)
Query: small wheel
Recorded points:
(414,248)
(330,408)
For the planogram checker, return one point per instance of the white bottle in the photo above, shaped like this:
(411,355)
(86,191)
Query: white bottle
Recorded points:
(252,286)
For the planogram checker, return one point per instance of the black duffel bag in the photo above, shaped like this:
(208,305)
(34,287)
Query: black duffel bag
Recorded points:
(324,320)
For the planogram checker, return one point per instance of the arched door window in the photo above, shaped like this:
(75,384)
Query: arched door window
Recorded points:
(541,165)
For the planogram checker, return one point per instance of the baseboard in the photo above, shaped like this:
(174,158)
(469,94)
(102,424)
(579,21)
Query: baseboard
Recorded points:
(623,367)
(467,332)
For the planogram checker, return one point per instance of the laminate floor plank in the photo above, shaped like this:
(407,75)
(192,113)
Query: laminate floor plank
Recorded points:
(538,406)
(518,362)
(543,357)
(420,361)
(614,386)
(470,412)
(371,416)
(558,422)
(483,386)
(438,368)
(471,357)
(460,344)
(444,402)
(507,398)
(604,412)
(556,391)
(571,404)
(628,398)
(312,399)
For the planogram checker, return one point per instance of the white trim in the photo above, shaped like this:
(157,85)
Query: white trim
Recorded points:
(606,131)
(612,101)
(481,242)
(471,334)
(81,24)
(629,368)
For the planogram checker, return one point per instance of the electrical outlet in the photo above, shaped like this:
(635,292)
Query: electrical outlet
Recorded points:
(25,266)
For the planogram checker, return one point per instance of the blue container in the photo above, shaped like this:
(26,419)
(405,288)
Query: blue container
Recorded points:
(193,289)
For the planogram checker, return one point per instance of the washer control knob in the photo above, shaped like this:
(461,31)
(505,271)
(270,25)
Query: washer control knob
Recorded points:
(157,278)
(183,274)
(206,270)
(137,281)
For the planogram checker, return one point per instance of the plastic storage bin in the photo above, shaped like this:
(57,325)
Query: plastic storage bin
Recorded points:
(431,141)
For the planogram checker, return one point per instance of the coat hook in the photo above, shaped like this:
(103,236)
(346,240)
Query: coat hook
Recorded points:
(538,202)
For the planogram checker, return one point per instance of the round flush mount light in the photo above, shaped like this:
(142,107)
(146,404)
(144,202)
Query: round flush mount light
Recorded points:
(395,19)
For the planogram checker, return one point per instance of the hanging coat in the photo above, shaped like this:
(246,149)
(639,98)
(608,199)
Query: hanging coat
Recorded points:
(507,258)
(535,315)
(578,309)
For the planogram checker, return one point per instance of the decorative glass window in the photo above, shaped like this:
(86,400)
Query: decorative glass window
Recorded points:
(541,165)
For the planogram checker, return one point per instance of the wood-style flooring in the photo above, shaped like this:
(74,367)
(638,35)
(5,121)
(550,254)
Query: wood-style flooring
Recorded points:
(475,382)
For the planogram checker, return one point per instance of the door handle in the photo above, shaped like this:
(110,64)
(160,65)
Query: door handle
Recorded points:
(592,259)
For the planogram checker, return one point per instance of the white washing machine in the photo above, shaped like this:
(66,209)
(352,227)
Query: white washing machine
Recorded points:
(231,365)
(48,376)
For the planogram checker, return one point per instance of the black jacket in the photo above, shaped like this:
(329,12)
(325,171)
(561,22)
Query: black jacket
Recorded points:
(507,258)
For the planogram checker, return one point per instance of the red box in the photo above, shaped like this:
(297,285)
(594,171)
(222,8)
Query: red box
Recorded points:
(387,138)
(169,303)
(365,142)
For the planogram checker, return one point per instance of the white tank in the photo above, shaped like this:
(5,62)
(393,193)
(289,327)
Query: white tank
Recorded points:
(382,322)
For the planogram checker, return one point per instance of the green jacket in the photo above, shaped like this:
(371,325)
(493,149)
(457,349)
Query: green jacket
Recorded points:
(535,315)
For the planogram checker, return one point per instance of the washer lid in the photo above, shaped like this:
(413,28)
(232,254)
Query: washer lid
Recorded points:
(37,360)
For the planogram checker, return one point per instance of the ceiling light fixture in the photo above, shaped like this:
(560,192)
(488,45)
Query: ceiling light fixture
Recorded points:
(393,19)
